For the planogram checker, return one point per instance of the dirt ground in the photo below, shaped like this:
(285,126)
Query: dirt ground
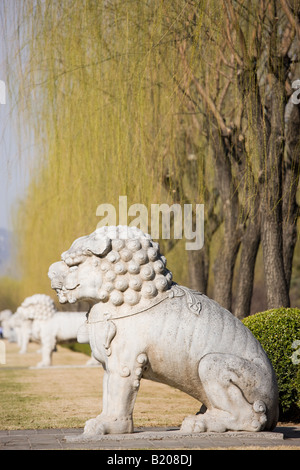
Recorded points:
(69,393)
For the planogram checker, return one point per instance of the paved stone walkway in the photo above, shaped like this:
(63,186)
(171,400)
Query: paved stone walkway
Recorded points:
(149,438)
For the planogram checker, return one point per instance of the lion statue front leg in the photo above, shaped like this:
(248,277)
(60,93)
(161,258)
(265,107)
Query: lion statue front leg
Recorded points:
(120,388)
(119,394)
(118,401)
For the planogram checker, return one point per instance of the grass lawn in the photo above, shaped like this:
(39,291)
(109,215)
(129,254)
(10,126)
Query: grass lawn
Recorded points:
(61,397)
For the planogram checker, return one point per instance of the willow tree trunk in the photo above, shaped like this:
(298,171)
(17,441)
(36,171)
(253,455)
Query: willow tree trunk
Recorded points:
(198,261)
(226,257)
(271,235)
(249,248)
(271,204)
(290,208)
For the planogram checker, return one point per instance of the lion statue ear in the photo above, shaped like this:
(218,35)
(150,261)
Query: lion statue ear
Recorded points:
(99,247)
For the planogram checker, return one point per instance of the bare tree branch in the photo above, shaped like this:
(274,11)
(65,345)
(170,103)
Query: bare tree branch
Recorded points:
(200,89)
(292,19)
(228,37)
(232,16)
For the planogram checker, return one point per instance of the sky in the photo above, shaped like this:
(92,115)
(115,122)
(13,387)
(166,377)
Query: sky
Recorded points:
(12,171)
(11,179)
(13,174)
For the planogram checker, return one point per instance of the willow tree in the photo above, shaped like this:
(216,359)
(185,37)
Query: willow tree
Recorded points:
(249,61)
(176,101)
(93,95)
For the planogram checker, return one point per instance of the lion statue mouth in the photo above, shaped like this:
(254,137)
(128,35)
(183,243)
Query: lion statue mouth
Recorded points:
(67,295)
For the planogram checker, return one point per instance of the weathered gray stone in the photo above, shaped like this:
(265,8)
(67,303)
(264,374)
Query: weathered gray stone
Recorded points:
(143,325)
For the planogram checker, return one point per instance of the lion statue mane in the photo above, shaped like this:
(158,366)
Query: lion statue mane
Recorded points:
(132,266)
(141,324)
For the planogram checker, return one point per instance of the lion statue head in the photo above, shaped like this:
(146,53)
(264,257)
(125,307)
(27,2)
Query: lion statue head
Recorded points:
(37,307)
(118,265)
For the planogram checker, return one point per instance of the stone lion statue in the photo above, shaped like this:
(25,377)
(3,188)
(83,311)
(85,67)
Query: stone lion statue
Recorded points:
(21,330)
(141,324)
(5,316)
(38,319)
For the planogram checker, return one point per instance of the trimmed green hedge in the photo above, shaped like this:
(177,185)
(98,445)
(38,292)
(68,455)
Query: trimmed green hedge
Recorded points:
(77,347)
(278,331)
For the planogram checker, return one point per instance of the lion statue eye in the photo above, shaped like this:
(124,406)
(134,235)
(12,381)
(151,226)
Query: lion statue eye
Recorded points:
(73,268)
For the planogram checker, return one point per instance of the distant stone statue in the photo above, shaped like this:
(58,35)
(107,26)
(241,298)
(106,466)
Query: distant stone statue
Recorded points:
(22,326)
(38,320)
(5,317)
(143,325)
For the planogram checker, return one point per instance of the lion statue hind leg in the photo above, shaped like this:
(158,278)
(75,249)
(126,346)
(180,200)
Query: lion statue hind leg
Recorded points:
(228,381)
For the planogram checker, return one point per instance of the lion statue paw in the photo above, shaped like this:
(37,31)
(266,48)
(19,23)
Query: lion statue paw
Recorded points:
(107,425)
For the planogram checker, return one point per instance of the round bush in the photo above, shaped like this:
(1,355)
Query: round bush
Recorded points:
(278,331)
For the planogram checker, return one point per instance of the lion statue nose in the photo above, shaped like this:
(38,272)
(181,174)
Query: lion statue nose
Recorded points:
(56,284)
(57,273)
